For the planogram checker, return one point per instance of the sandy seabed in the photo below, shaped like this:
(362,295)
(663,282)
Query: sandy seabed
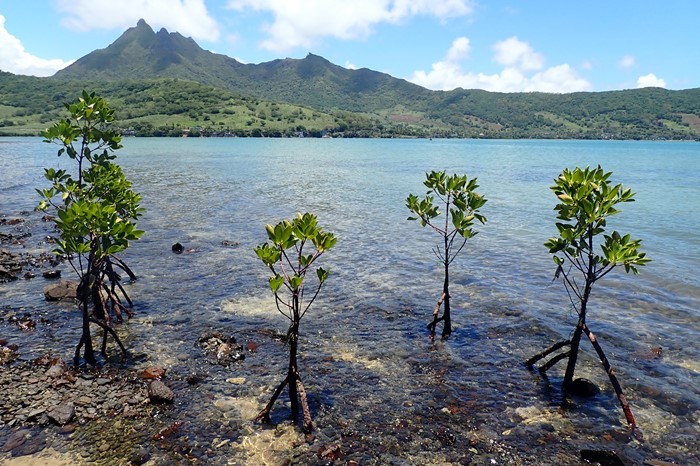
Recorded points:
(47,457)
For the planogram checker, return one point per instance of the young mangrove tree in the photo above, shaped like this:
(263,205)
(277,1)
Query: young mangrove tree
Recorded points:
(584,254)
(96,212)
(292,249)
(461,207)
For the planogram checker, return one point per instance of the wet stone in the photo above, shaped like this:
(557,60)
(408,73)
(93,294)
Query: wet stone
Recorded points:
(16,439)
(158,392)
(61,291)
(602,457)
(52,274)
(583,387)
(153,372)
(140,457)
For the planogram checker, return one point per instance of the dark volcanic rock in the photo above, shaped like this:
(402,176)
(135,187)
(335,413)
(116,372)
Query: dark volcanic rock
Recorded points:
(583,387)
(64,290)
(52,274)
(602,457)
(158,392)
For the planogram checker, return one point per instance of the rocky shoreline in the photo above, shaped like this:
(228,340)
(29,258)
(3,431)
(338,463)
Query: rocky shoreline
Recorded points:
(46,399)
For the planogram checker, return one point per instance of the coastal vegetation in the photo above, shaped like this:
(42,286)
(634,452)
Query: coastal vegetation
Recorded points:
(461,208)
(587,199)
(96,212)
(289,262)
(166,85)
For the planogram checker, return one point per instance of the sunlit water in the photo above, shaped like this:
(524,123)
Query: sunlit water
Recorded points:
(378,387)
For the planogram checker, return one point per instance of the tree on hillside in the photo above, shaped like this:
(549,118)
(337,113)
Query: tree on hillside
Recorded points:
(96,213)
(586,199)
(293,247)
(461,207)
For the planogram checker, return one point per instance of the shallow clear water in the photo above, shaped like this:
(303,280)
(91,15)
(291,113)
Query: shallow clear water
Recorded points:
(377,385)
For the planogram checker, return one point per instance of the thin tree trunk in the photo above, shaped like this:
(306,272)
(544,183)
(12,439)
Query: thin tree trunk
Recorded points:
(576,340)
(292,375)
(86,337)
(573,356)
(447,326)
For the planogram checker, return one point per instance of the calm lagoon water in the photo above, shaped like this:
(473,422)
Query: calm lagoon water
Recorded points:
(378,386)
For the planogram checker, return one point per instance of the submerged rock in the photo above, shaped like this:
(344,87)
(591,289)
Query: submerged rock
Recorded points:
(602,457)
(61,291)
(158,392)
(16,439)
(51,274)
(152,372)
(220,349)
(583,387)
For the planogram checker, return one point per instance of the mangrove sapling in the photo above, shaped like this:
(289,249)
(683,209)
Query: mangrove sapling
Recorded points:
(292,249)
(586,200)
(96,213)
(461,208)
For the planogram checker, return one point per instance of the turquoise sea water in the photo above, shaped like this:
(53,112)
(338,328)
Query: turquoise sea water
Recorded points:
(370,320)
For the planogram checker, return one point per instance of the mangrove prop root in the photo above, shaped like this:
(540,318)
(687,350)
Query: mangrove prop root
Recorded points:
(615,383)
(264,414)
(549,364)
(109,329)
(531,362)
(437,306)
(436,311)
(308,423)
(122,266)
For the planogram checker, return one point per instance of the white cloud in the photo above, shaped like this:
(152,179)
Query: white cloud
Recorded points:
(15,59)
(650,80)
(626,62)
(188,17)
(301,23)
(519,62)
(459,50)
(517,54)
(349,65)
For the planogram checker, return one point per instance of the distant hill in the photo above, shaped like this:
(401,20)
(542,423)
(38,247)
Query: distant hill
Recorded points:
(383,104)
(141,53)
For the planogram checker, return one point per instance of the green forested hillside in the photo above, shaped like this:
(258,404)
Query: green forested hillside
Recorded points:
(164,83)
(165,107)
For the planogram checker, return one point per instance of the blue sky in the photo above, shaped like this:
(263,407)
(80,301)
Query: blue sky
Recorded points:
(497,45)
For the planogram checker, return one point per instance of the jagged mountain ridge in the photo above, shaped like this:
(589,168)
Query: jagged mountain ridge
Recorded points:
(141,53)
